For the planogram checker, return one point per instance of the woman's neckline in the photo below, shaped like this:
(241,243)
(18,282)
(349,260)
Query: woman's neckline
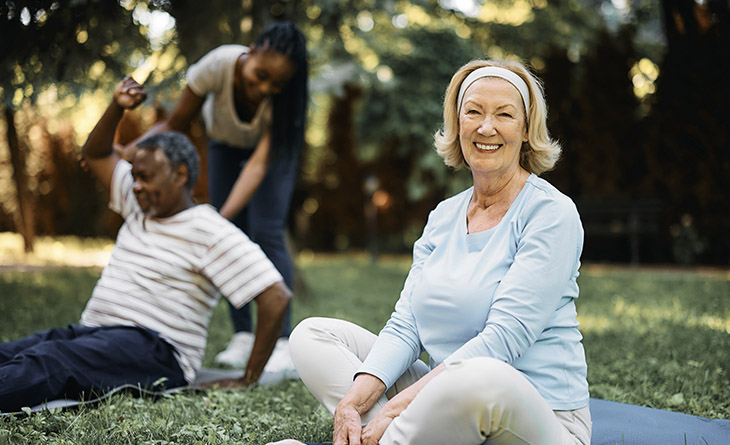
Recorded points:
(501,218)
(241,104)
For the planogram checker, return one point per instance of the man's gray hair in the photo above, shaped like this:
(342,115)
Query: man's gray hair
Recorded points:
(179,151)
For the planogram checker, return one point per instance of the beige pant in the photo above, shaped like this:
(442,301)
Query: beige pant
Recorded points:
(481,400)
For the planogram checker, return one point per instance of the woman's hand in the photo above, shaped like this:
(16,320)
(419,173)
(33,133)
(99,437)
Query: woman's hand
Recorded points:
(362,396)
(375,429)
(186,109)
(128,94)
(248,180)
(348,425)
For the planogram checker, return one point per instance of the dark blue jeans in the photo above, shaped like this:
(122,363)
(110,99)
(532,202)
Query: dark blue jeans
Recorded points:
(81,361)
(263,219)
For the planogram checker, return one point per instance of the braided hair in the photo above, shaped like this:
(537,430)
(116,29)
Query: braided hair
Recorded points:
(290,105)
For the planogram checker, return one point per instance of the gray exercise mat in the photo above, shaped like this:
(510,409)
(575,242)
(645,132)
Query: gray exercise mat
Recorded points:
(617,423)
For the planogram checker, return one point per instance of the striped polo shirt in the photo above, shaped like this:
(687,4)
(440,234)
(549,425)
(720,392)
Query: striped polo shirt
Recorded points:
(167,274)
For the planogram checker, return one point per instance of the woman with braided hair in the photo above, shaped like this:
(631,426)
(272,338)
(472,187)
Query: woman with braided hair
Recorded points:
(253,102)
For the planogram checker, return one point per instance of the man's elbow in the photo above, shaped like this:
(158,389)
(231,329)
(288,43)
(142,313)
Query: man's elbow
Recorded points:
(85,150)
(89,151)
(275,298)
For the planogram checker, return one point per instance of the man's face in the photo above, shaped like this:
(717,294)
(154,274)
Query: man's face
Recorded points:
(158,187)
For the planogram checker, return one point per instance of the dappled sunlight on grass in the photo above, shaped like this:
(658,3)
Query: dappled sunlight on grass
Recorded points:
(651,338)
(640,300)
(594,323)
(55,251)
(657,272)
(40,298)
(658,337)
(626,314)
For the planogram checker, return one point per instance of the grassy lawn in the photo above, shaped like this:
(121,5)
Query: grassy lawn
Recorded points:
(653,337)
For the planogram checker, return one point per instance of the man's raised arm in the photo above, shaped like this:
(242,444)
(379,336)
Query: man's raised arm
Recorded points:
(98,150)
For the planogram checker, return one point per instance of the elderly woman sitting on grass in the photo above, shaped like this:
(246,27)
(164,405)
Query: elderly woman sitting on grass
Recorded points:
(490,296)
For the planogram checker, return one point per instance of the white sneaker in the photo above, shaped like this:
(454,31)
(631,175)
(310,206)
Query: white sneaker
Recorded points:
(238,350)
(280,360)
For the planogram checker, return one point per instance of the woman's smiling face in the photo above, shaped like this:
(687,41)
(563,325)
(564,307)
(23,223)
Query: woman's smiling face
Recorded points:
(492,126)
(265,73)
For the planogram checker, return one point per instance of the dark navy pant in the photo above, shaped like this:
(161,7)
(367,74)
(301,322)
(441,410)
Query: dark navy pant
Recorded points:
(264,218)
(82,362)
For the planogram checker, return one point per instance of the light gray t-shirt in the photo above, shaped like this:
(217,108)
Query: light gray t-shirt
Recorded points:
(212,77)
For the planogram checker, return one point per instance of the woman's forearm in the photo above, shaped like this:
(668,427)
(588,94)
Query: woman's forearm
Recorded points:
(248,181)
(127,151)
(375,429)
(364,392)
(243,190)
(186,109)
(404,398)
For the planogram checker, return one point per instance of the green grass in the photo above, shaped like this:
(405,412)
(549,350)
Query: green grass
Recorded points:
(652,338)
(658,339)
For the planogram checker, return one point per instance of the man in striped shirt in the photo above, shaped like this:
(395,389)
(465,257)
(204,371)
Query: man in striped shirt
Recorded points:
(147,319)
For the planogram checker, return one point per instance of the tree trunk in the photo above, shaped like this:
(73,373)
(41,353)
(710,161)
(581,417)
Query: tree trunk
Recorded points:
(689,153)
(23,217)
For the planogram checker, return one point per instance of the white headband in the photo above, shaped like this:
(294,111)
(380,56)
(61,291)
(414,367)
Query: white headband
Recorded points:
(502,73)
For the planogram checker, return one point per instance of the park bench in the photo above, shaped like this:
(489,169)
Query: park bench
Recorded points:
(622,223)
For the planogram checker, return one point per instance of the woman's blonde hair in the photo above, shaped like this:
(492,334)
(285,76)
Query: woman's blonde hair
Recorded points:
(538,155)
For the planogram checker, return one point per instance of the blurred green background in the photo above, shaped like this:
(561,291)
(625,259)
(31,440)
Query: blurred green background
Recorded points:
(637,94)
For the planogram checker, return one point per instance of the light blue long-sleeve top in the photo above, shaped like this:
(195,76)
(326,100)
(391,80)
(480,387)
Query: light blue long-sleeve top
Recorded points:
(507,292)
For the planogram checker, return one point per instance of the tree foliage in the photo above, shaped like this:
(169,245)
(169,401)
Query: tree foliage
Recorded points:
(619,80)
(74,44)
(59,49)
(688,144)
